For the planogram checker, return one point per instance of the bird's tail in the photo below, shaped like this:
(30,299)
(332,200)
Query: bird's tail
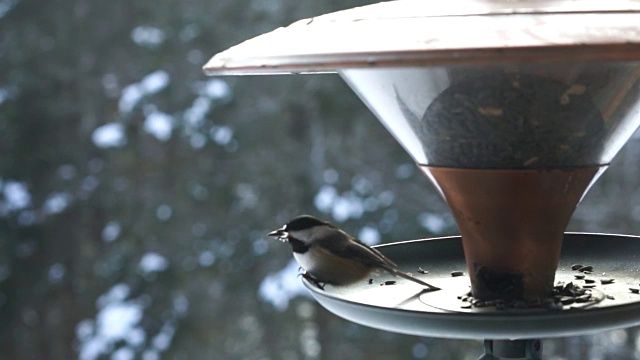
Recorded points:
(409,277)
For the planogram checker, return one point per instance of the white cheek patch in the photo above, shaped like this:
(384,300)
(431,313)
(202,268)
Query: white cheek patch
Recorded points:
(303,235)
(309,235)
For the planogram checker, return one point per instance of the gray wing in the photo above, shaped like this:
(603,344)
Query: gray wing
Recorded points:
(338,244)
(355,249)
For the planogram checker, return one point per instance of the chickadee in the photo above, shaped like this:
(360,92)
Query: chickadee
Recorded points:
(331,256)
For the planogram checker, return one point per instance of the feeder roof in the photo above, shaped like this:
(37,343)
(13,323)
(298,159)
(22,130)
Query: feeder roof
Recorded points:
(421,33)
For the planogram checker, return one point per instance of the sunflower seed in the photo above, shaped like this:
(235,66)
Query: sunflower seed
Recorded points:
(586,268)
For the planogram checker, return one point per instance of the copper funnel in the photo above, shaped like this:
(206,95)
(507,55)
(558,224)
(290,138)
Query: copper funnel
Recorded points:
(512,223)
(512,150)
(511,108)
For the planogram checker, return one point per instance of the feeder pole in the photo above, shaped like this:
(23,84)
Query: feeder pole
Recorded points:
(512,349)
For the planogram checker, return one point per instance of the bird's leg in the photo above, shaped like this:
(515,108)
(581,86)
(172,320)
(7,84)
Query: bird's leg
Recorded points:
(310,278)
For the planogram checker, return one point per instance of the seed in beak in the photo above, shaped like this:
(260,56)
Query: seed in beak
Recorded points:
(280,234)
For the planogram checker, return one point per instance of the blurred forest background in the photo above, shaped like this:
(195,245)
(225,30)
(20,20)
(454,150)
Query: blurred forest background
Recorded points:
(135,193)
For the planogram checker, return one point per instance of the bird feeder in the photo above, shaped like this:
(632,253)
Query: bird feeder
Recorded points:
(512,109)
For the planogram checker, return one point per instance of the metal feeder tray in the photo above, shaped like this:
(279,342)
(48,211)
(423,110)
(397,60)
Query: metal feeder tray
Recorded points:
(404,308)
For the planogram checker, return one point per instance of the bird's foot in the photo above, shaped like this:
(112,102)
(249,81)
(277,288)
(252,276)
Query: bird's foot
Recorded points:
(310,278)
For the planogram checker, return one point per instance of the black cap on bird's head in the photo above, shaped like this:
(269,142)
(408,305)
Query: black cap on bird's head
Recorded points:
(304,222)
(299,223)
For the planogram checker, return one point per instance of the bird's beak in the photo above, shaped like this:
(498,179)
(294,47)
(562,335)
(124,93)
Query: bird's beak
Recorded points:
(280,234)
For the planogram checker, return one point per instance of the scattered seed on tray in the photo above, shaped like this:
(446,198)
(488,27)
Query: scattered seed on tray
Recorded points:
(389,282)
(610,297)
(583,298)
(606,281)
(567,300)
(456,273)
(586,268)
(634,290)
(589,281)
(370,281)
(576,266)
(422,271)
(564,294)
(579,276)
